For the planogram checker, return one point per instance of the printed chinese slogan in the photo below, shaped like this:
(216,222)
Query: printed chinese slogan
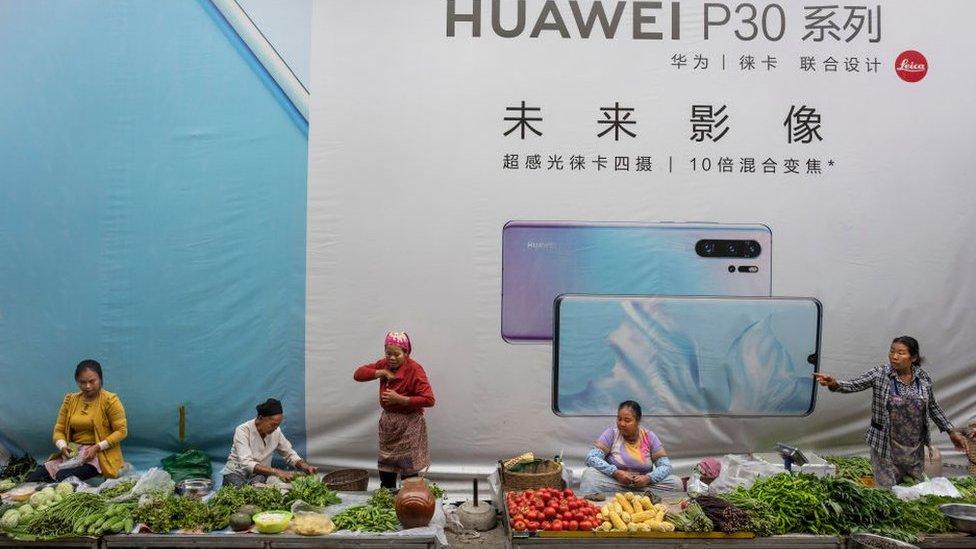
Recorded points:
(707,123)
(857,29)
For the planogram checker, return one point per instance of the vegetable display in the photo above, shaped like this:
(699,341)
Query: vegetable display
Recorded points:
(787,503)
(628,512)
(726,516)
(367,518)
(382,497)
(692,519)
(168,512)
(17,469)
(312,491)
(59,519)
(229,500)
(119,489)
(551,509)
(851,467)
(114,519)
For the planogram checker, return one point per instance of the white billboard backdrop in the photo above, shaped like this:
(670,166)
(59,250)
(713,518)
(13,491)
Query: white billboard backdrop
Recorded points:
(408,193)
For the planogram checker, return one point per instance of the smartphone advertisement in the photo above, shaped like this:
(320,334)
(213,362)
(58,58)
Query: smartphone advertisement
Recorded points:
(686,356)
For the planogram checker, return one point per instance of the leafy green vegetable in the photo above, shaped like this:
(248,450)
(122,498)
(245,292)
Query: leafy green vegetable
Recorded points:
(851,467)
(787,503)
(312,491)
(169,512)
(18,469)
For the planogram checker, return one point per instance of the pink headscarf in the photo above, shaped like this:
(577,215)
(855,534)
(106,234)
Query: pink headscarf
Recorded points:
(710,467)
(398,339)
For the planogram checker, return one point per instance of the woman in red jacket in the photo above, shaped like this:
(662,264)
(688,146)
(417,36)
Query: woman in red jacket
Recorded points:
(404,393)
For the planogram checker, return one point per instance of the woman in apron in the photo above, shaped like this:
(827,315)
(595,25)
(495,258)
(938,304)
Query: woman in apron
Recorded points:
(404,393)
(903,401)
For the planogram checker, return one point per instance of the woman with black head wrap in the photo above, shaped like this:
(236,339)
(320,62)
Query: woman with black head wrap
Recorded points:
(254,443)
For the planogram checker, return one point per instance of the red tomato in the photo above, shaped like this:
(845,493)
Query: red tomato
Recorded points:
(586,525)
(573,525)
(528,493)
(568,493)
(518,517)
(532,525)
(520,525)
(545,525)
(550,512)
(556,526)
(563,508)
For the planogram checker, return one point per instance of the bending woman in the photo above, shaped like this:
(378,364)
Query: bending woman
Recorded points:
(255,443)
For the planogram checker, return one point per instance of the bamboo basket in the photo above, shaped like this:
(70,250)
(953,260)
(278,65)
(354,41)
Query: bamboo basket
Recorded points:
(347,480)
(546,473)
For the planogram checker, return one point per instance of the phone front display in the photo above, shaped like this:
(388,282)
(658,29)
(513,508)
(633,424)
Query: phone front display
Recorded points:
(686,356)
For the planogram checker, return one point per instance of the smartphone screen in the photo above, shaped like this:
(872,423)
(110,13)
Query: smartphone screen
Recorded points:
(543,259)
(686,356)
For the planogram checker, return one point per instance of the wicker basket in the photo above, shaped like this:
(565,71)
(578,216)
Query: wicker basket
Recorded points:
(545,474)
(971,449)
(347,480)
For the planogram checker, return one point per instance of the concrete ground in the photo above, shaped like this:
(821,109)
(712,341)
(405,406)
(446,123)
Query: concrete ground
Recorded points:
(492,538)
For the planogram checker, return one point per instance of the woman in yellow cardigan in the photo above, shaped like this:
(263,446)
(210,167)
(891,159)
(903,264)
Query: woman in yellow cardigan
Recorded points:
(90,426)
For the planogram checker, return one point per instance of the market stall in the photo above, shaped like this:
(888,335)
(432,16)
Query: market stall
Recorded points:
(754,504)
(146,511)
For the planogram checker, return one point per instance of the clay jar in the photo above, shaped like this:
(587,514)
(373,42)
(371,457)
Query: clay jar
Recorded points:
(414,503)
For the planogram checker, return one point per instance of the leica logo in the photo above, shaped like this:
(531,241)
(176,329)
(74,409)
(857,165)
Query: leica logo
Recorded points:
(908,66)
(911,66)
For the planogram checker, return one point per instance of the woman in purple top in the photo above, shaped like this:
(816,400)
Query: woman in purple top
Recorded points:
(628,457)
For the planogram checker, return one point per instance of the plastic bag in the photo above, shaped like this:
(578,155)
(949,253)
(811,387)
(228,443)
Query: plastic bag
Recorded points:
(299,506)
(740,470)
(695,485)
(935,487)
(310,520)
(154,479)
(113,482)
(188,464)
(76,461)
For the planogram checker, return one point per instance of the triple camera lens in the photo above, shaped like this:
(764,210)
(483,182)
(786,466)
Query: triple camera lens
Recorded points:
(728,248)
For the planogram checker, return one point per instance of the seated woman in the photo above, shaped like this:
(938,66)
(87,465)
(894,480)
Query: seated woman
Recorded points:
(90,426)
(254,443)
(628,457)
